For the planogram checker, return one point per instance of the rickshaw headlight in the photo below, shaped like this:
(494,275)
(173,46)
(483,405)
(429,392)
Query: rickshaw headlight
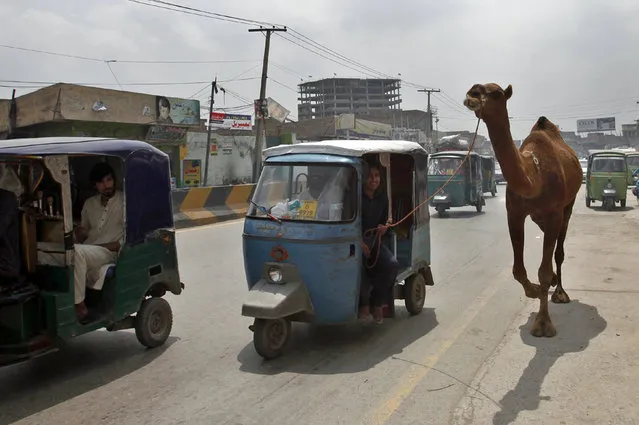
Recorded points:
(275,275)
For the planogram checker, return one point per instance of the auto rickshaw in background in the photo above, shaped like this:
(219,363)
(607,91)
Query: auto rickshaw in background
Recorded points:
(607,179)
(37,309)
(302,245)
(489,184)
(465,188)
(632,159)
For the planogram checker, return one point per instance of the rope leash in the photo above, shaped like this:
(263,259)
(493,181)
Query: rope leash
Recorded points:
(376,231)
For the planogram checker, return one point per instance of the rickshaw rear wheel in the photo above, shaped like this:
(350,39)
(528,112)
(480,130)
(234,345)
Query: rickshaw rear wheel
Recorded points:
(153,322)
(587,202)
(415,293)
(270,336)
(623,203)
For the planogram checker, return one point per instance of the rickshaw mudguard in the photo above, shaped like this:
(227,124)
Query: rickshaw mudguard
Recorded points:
(267,300)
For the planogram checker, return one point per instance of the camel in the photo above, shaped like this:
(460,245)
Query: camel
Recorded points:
(543,179)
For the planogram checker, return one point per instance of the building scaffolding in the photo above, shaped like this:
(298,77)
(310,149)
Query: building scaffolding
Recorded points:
(335,96)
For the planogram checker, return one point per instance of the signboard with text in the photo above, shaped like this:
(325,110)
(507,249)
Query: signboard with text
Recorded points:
(596,124)
(226,121)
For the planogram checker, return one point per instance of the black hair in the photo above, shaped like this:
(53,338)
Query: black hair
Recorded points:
(163,101)
(100,171)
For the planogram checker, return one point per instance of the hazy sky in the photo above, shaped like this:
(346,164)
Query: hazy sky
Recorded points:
(566,59)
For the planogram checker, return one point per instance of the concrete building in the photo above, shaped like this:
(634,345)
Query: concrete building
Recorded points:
(335,96)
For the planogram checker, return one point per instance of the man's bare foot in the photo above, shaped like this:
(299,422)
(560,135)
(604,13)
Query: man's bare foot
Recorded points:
(364,313)
(81,310)
(378,314)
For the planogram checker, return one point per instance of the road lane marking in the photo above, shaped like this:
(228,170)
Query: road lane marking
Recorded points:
(208,226)
(416,374)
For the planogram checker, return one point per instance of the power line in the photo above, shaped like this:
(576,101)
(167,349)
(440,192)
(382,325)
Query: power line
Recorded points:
(189,62)
(282,84)
(296,35)
(219,16)
(46,83)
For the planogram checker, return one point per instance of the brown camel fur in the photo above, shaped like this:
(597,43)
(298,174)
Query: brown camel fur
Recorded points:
(543,179)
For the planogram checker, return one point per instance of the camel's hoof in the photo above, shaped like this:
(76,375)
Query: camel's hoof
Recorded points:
(543,327)
(560,296)
(532,290)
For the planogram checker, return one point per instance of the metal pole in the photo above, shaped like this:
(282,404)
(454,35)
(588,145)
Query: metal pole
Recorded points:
(208,134)
(430,113)
(260,123)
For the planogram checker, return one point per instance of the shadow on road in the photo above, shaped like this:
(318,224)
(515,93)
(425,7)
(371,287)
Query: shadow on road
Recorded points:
(452,214)
(83,364)
(350,348)
(577,324)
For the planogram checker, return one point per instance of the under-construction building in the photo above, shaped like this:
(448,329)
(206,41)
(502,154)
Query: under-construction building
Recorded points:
(335,96)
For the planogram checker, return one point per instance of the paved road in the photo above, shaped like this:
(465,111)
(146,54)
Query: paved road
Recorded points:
(412,370)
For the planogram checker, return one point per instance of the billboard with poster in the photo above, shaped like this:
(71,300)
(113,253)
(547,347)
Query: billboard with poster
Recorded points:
(596,124)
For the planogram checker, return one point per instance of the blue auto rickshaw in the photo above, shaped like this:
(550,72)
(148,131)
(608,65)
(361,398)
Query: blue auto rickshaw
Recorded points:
(460,177)
(37,305)
(302,234)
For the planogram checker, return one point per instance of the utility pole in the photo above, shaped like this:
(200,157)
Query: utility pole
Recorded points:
(260,123)
(430,113)
(208,135)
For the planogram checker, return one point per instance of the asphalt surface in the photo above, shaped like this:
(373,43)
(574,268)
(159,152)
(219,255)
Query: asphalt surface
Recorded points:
(410,370)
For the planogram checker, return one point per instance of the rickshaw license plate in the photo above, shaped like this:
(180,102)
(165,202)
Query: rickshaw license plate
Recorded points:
(308,210)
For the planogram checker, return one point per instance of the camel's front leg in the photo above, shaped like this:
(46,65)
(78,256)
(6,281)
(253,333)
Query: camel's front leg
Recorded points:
(560,295)
(552,226)
(516,223)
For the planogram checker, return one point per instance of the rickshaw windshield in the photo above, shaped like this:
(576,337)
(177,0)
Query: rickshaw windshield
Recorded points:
(608,165)
(444,166)
(304,192)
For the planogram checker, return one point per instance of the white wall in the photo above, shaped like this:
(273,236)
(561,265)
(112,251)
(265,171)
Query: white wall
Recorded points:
(230,166)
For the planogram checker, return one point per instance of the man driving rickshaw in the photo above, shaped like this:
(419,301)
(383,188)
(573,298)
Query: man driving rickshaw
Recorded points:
(381,276)
(122,243)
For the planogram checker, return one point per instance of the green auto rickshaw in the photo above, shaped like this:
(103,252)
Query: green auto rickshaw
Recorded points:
(49,183)
(607,179)
(465,188)
(489,184)
(632,160)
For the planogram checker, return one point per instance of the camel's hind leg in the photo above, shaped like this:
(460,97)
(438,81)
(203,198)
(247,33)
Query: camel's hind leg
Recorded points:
(516,228)
(560,295)
(553,224)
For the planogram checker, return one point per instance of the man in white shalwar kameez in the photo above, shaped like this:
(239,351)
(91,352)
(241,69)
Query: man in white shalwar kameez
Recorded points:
(99,237)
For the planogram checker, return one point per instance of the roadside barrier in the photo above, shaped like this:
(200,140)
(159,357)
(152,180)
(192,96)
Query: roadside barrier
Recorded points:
(199,206)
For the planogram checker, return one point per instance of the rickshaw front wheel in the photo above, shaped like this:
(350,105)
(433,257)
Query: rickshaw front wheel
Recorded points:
(153,322)
(623,203)
(415,293)
(270,336)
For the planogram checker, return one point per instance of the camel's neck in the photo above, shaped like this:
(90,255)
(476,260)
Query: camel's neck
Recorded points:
(513,166)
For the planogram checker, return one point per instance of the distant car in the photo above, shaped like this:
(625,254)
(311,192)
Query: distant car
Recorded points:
(584,168)
(499,177)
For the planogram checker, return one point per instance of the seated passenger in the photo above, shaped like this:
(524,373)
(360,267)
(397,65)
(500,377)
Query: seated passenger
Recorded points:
(99,236)
(381,277)
(10,263)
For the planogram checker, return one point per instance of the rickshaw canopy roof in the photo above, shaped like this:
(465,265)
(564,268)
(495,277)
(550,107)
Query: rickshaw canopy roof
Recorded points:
(454,153)
(147,183)
(353,148)
(608,153)
(45,146)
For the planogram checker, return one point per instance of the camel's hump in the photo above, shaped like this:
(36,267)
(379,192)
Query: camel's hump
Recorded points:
(541,122)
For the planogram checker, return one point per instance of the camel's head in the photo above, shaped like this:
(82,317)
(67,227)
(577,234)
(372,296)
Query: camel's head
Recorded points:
(486,99)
